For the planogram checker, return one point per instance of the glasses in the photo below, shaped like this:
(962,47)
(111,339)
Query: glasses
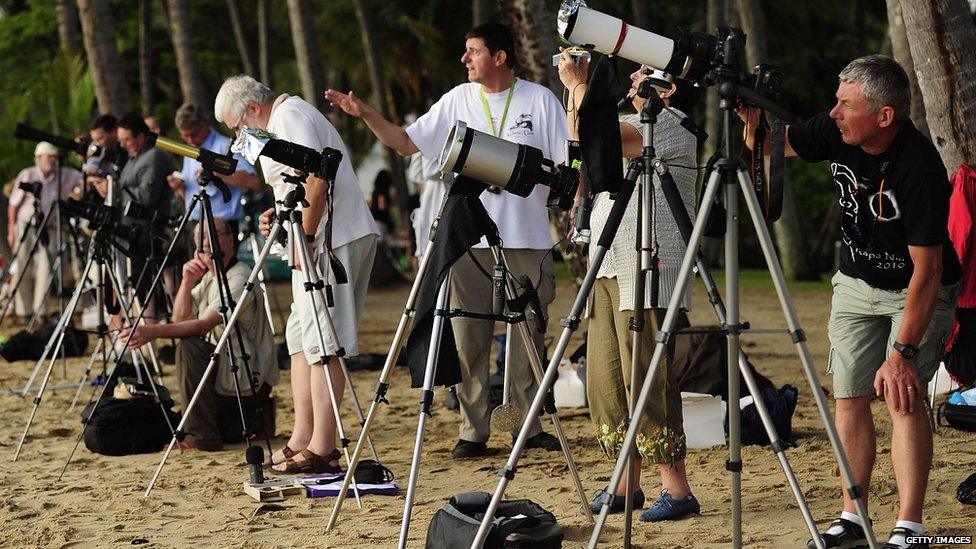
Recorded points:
(237,127)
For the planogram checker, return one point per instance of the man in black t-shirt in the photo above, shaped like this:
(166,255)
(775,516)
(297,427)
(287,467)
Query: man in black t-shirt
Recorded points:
(894,295)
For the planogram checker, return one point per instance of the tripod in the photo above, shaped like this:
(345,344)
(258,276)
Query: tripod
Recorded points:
(313,285)
(101,240)
(223,292)
(730,174)
(250,234)
(440,316)
(39,240)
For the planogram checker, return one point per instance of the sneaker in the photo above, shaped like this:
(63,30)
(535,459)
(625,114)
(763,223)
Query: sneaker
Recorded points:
(596,505)
(900,533)
(846,534)
(543,440)
(668,508)
(465,449)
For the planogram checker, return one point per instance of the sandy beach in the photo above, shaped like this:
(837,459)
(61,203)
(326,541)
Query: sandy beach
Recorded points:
(199,499)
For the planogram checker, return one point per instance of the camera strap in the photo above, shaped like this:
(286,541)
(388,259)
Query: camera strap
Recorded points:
(768,191)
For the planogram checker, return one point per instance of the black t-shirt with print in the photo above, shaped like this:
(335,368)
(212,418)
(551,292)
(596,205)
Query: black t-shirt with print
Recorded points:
(888,202)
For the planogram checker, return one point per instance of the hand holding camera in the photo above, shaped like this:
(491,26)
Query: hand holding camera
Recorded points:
(573,67)
(266,219)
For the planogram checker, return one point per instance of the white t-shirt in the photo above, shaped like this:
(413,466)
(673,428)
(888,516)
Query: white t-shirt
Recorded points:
(535,117)
(294,120)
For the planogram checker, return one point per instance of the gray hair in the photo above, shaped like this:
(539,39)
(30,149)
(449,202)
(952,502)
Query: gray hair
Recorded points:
(189,116)
(236,92)
(883,82)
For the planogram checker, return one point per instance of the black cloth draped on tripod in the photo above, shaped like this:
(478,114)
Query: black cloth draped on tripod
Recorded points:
(463,221)
(599,130)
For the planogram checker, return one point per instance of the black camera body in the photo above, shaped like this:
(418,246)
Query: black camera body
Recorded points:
(767,81)
(33,187)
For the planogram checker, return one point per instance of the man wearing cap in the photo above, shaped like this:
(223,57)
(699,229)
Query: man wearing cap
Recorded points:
(24,219)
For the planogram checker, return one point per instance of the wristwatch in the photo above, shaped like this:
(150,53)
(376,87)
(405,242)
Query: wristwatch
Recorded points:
(907,352)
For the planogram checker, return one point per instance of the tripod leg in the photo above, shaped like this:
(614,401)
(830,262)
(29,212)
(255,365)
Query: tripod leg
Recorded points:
(399,338)
(308,269)
(340,354)
(264,288)
(664,335)
(426,399)
(799,339)
(223,340)
(59,336)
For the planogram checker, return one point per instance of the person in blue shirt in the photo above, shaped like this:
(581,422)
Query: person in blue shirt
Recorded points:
(195,130)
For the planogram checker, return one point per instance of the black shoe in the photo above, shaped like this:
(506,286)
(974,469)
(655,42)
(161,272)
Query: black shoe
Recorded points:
(465,449)
(852,536)
(619,502)
(543,440)
(905,533)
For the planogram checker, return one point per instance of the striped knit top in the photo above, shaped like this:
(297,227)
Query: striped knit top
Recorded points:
(677,147)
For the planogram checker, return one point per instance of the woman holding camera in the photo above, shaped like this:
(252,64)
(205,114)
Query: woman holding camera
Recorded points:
(661,438)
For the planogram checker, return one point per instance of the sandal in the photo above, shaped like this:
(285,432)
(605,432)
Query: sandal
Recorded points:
(286,451)
(312,464)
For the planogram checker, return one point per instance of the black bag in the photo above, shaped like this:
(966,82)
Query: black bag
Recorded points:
(966,493)
(960,416)
(27,346)
(129,426)
(780,404)
(456,524)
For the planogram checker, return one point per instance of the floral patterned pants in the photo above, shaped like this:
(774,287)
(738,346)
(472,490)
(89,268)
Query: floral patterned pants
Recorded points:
(661,438)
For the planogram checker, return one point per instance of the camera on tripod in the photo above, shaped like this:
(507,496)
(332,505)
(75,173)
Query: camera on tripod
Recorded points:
(766,80)
(511,166)
(98,215)
(253,143)
(27,133)
(32,187)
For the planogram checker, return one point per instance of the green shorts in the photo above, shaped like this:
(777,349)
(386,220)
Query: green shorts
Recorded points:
(864,322)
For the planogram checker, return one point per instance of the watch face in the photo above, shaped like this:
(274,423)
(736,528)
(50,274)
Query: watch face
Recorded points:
(906,351)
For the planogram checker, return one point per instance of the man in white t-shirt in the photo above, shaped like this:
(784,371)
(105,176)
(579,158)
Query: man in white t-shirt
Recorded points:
(493,101)
(351,235)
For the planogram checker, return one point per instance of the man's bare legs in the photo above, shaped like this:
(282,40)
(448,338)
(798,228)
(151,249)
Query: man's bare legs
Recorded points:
(911,454)
(315,426)
(855,426)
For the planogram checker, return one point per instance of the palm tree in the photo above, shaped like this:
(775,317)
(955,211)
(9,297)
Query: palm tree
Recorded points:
(186,57)
(942,38)
(98,31)
(300,14)
(237,23)
(786,231)
(903,54)
(384,101)
(68,26)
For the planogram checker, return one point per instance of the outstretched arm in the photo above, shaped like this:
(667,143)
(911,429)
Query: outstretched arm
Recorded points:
(387,132)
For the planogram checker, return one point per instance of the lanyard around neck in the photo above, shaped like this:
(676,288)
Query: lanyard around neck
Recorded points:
(508,102)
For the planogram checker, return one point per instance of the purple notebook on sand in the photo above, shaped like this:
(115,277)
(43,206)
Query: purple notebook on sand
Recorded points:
(329,484)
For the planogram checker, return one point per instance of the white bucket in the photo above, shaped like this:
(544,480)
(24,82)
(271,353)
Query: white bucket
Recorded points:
(704,419)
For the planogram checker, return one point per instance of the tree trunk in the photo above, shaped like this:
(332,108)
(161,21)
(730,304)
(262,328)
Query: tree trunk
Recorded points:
(384,101)
(535,43)
(642,14)
(712,248)
(786,231)
(942,38)
(300,14)
(903,54)
(237,23)
(98,31)
(480,12)
(68,26)
(145,57)
(186,57)
(264,54)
